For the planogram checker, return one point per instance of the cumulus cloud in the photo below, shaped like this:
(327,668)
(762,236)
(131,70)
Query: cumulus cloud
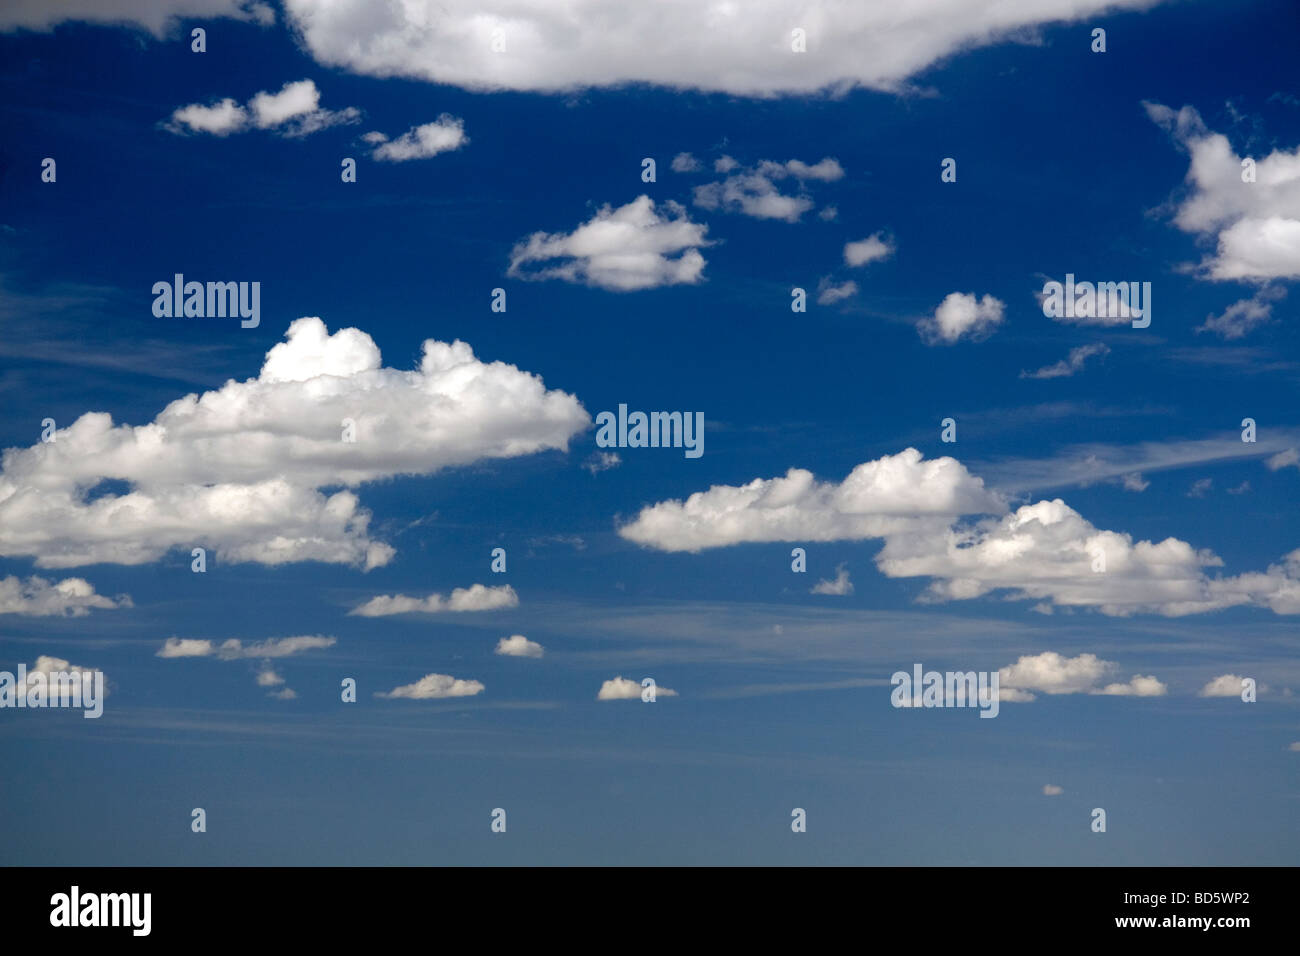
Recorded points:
(896,493)
(293,111)
(828,293)
(267,677)
(686,44)
(156,16)
(516,645)
(420,142)
(38,597)
(960,315)
(1052,790)
(686,163)
(870,249)
(1226,685)
(840,586)
(623,688)
(435,687)
(753,191)
(1071,363)
(1244,315)
(927,512)
(625,249)
(239,469)
(1256,225)
(1051,673)
(475,598)
(602,461)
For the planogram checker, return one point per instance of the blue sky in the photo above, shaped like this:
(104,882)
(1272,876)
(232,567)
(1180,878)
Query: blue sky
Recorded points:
(1114,166)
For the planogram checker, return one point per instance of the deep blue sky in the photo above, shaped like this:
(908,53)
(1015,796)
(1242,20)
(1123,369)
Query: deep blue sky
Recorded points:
(1060,170)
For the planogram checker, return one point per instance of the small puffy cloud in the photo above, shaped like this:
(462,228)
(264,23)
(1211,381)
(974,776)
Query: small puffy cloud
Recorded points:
(1051,673)
(516,645)
(435,687)
(828,293)
(477,597)
(602,461)
(1295,747)
(241,468)
(38,597)
(1071,363)
(1226,685)
(828,213)
(961,315)
(1200,488)
(293,111)
(1134,482)
(284,693)
(629,248)
(1284,459)
(623,688)
(871,249)
(686,163)
(1256,225)
(186,647)
(1052,790)
(420,142)
(753,191)
(218,119)
(841,586)
(267,677)
(894,493)
(1244,315)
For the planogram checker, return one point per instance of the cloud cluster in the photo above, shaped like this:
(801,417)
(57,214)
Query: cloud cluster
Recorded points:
(240,469)
(633,247)
(235,649)
(1050,673)
(39,597)
(937,521)
(477,597)
(294,112)
(1256,225)
(753,191)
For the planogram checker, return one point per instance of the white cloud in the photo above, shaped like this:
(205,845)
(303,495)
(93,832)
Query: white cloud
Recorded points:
(840,587)
(959,315)
(1046,552)
(294,111)
(1284,459)
(516,645)
(267,677)
(686,163)
(421,142)
(1071,363)
(1052,790)
(894,493)
(1051,673)
(156,16)
(38,597)
(238,469)
(1244,315)
(435,687)
(1226,685)
(1256,225)
(828,293)
(687,44)
(1134,482)
(623,688)
(235,649)
(1294,746)
(475,598)
(602,461)
(753,191)
(867,250)
(218,119)
(625,249)
(284,693)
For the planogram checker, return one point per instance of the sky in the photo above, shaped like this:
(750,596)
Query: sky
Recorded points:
(838,259)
